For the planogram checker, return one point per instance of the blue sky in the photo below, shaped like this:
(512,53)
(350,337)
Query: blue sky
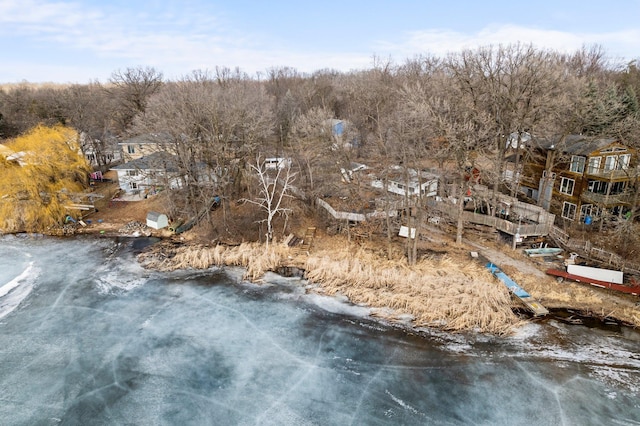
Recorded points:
(84,40)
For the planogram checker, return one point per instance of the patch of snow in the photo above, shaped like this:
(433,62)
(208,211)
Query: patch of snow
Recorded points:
(14,292)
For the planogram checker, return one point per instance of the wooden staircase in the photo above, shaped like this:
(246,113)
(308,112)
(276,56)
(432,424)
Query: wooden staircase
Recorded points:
(305,246)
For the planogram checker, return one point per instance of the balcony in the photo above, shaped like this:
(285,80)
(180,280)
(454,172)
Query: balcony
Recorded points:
(610,175)
(604,200)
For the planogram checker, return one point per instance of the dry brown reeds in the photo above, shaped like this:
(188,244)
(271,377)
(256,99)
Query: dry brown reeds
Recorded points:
(444,293)
(255,257)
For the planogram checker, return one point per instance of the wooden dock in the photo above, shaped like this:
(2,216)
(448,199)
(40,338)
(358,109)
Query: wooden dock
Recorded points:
(305,246)
(529,302)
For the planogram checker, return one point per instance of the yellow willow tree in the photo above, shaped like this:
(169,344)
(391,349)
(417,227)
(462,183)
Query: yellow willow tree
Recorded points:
(41,176)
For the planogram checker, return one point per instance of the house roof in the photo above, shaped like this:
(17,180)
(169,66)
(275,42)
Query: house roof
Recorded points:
(157,161)
(147,138)
(578,144)
(397,174)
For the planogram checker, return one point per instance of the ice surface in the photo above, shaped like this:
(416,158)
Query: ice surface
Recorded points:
(98,340)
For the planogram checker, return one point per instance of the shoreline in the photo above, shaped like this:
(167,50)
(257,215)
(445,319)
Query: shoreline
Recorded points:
(401,300)
(455,301)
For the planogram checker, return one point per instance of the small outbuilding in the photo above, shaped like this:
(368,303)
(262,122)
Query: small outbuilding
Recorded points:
(157,220)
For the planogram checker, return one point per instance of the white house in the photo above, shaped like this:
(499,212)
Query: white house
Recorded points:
(153,170)
(409,182)
(275,163)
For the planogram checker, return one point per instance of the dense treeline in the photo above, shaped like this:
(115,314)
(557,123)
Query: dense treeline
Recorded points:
(442,109)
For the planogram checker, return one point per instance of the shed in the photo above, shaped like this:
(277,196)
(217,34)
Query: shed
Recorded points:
(157,220)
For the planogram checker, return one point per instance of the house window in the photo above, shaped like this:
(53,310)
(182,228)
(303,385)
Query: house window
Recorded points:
(132,173)
(594,165)
(577,164)
(133,185)
(530,193)
(597,186)
(614,149)
(617,187)
(131,149)
(610,163)
(585,210)
(569,211)
(623,161)
(566,186)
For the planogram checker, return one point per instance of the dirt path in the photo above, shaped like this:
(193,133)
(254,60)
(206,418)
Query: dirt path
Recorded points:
(503,260)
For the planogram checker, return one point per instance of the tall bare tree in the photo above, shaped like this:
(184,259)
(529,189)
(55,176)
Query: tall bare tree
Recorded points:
(311,141)
(514,85)
(132,88)
(274,187)
(214,125)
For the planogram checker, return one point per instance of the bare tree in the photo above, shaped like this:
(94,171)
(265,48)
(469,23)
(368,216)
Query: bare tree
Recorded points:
(370,103)
(512,88)
(411,148)
(89,111)
(458,135)
(311,141)
(132,88)
(274,187)
(214,123)
(23,107)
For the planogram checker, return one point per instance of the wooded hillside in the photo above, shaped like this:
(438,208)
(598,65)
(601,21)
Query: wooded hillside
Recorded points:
(445,112)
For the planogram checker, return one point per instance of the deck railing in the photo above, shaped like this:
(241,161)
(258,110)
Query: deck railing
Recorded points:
(606,200)
(586,249)
(504,225)
(352,217)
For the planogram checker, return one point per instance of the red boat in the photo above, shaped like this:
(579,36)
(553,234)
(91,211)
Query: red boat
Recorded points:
(632,288)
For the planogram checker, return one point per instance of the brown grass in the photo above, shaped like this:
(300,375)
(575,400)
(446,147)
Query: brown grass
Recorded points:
(256,258)
(438,293)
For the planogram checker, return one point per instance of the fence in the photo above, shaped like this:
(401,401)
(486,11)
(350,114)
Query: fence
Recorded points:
(585,249)
(353,217)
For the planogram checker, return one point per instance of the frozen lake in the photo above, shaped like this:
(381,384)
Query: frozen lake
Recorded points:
(88,337)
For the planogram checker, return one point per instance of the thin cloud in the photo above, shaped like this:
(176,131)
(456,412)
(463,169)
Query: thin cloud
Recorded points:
(176,43)
(441,42)
(178,37)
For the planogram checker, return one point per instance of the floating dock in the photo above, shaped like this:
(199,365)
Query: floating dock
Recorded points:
(533,305)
